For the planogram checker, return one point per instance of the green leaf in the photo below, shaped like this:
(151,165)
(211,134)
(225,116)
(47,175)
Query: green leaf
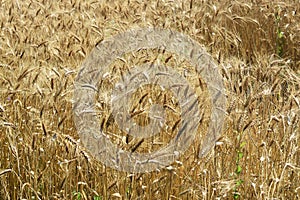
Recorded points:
(239,182)
(239,169)
(97,198)
(236,196)
(240,155)
(243,144)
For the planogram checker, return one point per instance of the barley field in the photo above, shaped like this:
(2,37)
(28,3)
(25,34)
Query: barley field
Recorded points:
(255,45)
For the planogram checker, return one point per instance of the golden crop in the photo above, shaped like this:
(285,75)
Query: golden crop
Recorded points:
(256,46)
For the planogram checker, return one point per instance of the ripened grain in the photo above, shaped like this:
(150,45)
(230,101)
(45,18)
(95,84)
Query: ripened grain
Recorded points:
(256,46)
